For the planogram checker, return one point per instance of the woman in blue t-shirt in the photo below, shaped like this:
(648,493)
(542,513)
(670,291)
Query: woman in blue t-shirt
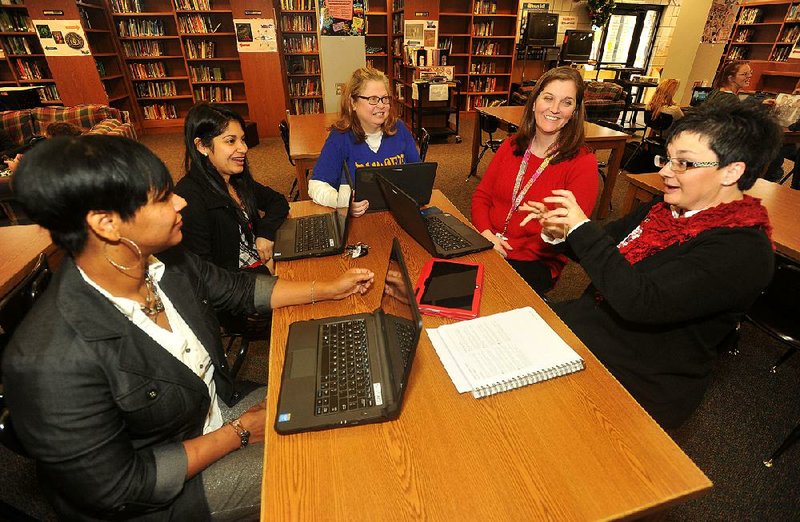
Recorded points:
(367,133)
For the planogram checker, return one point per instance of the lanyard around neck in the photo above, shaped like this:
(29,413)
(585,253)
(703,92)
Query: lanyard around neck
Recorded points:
(517,195)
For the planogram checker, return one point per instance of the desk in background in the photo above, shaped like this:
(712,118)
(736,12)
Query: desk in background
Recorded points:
(597,138)
(782,203)
(573,448)
(21,246)
(307,135)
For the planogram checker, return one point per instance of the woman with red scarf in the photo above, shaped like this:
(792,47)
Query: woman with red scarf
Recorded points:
(671,280)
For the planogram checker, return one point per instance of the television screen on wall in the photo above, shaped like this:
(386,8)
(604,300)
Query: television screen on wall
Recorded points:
(541,29)
(577,46)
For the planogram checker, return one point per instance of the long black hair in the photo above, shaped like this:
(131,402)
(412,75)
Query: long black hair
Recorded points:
(206,121)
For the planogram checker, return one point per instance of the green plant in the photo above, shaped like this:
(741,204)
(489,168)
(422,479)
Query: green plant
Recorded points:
(599,11)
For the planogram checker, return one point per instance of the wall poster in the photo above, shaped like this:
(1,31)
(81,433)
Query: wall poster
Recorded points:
(255,35)
(342,18)
(62,37)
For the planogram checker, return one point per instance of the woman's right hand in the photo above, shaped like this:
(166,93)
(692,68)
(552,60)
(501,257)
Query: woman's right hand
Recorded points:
(354,281)
(358,208)
(254,420)
(500,245)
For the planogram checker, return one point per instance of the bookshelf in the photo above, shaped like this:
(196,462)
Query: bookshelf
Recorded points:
(764,34)
(378,37)
(23,62)
(97,24)
(298,28)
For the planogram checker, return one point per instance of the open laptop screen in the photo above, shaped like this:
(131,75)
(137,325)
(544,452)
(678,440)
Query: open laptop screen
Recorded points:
(404,322)
(343,204)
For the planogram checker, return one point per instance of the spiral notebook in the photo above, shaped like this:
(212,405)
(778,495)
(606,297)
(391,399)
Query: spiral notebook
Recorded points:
(503,351)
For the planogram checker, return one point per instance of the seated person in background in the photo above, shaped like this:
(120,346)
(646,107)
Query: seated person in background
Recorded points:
(367,134)
(117,378)
(662,101)
(674,277)
(733,77)
(223,220)
(547,153)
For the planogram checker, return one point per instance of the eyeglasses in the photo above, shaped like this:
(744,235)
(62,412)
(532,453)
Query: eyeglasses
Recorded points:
(373,100)
(680,165)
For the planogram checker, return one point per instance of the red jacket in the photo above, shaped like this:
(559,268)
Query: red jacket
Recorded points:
(492,199)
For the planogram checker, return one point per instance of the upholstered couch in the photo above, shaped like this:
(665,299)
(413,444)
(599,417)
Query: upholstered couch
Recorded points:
(603,101)
(20,126)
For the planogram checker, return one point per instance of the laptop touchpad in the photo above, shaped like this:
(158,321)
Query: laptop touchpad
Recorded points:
(304,363)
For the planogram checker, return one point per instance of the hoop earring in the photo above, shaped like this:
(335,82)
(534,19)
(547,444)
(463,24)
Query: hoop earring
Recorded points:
(132,246)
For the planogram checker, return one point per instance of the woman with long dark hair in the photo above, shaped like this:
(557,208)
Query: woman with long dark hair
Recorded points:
(223,222)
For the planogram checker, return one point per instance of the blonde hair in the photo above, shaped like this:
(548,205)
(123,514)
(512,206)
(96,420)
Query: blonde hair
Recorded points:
(348,119)
(663,96)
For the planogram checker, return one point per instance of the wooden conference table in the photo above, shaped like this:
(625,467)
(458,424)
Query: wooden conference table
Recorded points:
(597,138)
(782,203)
(307,135)
(573,448)
(21,246)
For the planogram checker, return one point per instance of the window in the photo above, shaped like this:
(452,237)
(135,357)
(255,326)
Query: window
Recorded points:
(628,38)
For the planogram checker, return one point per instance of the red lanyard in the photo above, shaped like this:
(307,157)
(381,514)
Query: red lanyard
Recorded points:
(517,195)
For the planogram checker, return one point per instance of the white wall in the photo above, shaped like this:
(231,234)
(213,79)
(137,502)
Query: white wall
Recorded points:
(339,56)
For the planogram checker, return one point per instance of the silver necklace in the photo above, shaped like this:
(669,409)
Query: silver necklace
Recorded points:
(152,301)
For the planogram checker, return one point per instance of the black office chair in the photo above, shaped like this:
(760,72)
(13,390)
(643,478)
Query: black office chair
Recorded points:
(489,125)
(424,141)
(283,127)
(649,146)
(245,329)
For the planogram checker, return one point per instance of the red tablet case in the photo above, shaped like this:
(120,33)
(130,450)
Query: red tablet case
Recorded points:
(440,311)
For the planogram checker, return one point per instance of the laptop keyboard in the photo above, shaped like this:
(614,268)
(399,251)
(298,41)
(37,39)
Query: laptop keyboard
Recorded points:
(444,236)
(312,234)
(345,382)
(405,337)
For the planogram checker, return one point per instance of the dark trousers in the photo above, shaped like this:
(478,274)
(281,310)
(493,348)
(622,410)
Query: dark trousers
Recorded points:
(536,274)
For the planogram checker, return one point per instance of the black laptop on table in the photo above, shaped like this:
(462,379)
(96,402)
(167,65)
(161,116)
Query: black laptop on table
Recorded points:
(442,234)
(341,371)
(415,179)
(318,235)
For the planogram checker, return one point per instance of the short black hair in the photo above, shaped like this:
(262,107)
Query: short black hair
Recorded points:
(64,178)
(735,133)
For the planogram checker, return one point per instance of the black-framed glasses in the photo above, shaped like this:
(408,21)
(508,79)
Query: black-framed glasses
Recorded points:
(373,100)
(681,165)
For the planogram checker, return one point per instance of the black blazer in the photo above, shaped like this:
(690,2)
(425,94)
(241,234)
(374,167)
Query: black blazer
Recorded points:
(103,408)
(210,228)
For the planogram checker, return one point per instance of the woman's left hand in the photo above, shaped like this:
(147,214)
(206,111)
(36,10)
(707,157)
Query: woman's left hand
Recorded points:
(566,214)
(264,248)
(358,208)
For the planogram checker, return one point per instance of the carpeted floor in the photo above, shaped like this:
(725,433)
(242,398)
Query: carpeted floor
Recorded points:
(746,414)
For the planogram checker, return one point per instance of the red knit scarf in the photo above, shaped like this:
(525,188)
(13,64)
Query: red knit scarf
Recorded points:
(660,228)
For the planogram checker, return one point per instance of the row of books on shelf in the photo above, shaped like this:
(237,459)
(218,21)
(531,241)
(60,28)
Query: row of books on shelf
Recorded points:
(13,22)
(307,87)
(303,65)
(483,68)
(483,85)
(484,101)
(743,36)
(487,48)
(751,15)
(300,44)
(126,6)
(101,67)
(737,53)
(398,23)
(137,6)
(147,70)
(197,24)
(298,23)
(192,5)
(485,7)
(29,70)
(306,106)
(213,93)
(49,93)
(155,89)
(19,45)
(200,49)
(781,54)
(160,111)
(794,13)
(397,4)
(424,56)
(791,35)
(87,20)
(298,5)
(204,73)
(132,27)
(143,48)
(483,29)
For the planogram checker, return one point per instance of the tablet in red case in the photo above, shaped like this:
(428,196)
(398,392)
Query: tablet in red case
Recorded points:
(450,288)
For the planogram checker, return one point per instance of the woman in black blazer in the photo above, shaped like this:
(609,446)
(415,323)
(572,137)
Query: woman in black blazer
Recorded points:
(116,379)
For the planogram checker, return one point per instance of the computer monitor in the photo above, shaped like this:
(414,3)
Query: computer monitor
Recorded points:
(577,46)
(541,29)
(699,95)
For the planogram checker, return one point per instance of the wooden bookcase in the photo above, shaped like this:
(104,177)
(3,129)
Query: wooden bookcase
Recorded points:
(298,26)
(98,26)
(23,62)
(764,34)
(179,53)
(378,37)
